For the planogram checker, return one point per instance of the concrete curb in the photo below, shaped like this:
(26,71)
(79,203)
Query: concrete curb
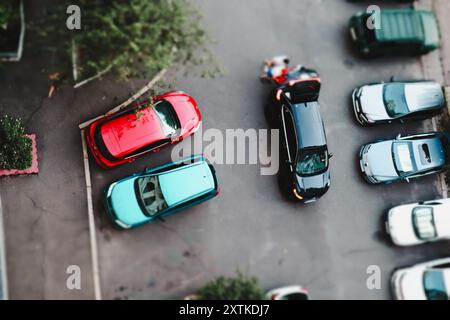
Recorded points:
(19,52)
(3,270)
(87,173)
(92,228)
(433,69)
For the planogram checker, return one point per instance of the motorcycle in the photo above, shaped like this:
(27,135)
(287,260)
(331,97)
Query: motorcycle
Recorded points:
(286,74)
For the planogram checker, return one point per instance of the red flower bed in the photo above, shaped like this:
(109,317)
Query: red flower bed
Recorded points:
(34,165)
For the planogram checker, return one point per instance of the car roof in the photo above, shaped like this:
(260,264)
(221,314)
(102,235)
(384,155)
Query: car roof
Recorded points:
(400,25)
(436,151)
(423,95)
(186,183)
(129,132)
(309,124)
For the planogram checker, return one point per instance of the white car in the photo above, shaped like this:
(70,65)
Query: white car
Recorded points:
(288,293)
(387,102)
(424,281)
(418,223)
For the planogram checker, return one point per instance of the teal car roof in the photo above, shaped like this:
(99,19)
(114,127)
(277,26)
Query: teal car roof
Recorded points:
(431,29)
(400,25)
(186,183)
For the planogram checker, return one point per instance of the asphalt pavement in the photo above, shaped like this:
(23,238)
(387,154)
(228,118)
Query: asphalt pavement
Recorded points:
(326,246)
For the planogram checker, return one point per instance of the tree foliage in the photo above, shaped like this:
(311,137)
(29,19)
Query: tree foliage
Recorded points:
(7,13)
(132,37)
(240,287)
(15,147)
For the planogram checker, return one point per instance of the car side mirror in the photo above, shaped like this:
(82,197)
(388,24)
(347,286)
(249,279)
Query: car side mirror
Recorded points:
(392,79)
(330,155)
(399,136)
(407,180)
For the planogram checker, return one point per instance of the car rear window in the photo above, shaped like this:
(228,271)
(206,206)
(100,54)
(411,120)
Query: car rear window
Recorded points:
(101,145)
(423,223)
(149,195)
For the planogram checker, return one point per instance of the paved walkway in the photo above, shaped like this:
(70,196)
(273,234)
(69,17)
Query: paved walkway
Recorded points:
(442,9)
(3,275)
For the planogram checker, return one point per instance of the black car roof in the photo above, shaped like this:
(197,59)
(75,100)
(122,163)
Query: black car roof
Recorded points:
(309,124)
(303,96)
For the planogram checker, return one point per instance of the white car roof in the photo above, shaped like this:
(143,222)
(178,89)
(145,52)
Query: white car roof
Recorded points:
(423,95)
(442,219)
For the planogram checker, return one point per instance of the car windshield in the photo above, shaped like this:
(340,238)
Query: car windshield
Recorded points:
(312,161)
(149,195)
(434,285)
(168,118)
(423,223)
(395,100)
(403,158)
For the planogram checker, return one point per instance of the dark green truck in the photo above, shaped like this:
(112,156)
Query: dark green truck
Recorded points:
(398,31)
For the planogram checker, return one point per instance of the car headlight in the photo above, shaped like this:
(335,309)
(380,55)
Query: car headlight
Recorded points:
(197,127)
(294,190)
(110,189)
(122,225)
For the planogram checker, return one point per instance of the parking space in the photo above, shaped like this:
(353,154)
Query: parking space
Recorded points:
(326,246)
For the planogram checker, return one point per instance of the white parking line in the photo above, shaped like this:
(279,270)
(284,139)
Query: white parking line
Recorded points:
(92,229)
(133,98)
(87,173)
(4,277)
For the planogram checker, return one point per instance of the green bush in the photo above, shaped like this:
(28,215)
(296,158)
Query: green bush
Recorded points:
(240,287)
(6,11)
(15,148)
(132,38)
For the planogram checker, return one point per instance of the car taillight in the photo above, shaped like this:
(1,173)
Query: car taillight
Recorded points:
(279,92)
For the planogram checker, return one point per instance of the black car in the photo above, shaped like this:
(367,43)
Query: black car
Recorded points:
(304,157)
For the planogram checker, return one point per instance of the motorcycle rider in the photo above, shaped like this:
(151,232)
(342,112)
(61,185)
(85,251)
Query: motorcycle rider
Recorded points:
(276,69)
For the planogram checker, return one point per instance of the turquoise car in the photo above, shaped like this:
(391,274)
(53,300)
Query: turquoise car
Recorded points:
(159,192)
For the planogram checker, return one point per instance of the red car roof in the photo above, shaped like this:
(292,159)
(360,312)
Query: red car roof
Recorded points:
(126,134)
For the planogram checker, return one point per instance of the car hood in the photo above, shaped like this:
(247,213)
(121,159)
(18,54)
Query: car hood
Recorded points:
(378,160)
(314,186)
(411,284)
(187,110)
(400,226)
(372,104)
(124,203)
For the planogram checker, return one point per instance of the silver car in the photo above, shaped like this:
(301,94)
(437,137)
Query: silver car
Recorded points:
(397,101)
(404,158)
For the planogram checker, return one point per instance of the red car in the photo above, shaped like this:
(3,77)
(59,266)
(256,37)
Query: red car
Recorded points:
(122,137)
